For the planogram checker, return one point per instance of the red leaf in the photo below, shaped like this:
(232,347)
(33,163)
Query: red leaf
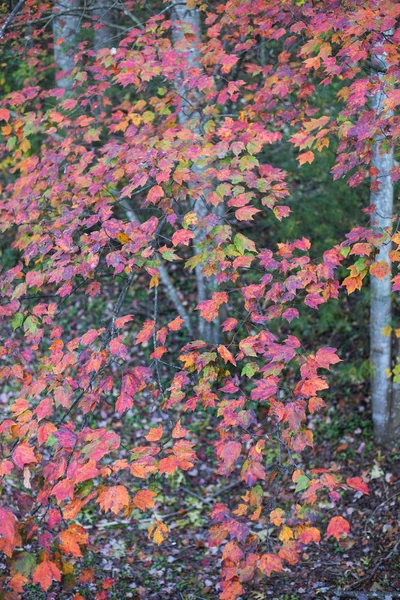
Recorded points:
(23,455)
(118,348)
(155,194)
(4,114)
(357,484)
(229,324)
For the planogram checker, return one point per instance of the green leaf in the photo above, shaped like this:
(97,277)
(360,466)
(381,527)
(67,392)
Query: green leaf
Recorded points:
(302,483)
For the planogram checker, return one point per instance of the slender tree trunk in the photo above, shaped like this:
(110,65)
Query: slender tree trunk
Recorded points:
(380,312)
(65,30)
(103,37)
(190,109)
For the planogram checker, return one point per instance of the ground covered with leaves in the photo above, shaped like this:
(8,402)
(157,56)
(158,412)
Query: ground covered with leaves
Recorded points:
(121,562)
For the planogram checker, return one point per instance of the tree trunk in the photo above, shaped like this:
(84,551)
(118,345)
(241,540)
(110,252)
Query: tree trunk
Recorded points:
(190,105)
(380,311)
(65,30)
(103,37)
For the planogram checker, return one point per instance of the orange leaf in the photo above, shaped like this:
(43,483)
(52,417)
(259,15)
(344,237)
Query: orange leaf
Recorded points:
(179,431)
(145,333)
(45,573)
(176,324)
(380,269)
(154,434)
(310,534)
(114,499)
(270,563)
(144,499)
(277,516)
(337,527)
(71,538)
(226,355)
(306,157)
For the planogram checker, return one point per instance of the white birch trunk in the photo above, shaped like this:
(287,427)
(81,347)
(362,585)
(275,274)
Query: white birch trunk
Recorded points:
(104,12)
(380,310)
(65,31)
(190,101)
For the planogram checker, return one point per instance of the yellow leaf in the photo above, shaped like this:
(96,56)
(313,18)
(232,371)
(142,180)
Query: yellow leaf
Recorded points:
(123,238)
(286,534)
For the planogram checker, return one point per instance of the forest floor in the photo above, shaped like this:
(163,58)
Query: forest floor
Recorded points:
(122,563)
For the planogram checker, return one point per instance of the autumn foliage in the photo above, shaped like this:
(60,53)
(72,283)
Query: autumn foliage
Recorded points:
(102,185)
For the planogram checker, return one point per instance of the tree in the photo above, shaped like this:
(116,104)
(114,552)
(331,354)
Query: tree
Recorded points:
(98,207)
(385,403)
(65,29)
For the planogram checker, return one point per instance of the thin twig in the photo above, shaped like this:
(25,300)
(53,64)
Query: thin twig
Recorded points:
(10,17)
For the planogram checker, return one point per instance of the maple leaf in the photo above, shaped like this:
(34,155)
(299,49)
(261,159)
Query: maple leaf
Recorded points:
(270,563)
(24,455)
(179,431)
(4,114)
(357,484)
(315,404)
(183,236)
(226,355)
(113,498)
(144,499)
(229,324)
(145,333)
(209,308)
(8,531)
(118,348)
(155,194)
(338,526)
(309,534)
(306,157)
(380,269)
(154,434)
(45,573)
(277,516)
(265,388)
(157,532)
(176,324)
(246,213)
(121,321)
(72,538)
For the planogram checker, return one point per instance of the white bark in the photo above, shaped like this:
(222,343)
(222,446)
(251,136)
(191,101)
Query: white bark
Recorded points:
(65,31)
(191,110)
(104,12)
(380,311)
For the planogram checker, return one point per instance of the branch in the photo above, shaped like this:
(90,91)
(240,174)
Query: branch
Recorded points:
(10,17)
(164,276)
